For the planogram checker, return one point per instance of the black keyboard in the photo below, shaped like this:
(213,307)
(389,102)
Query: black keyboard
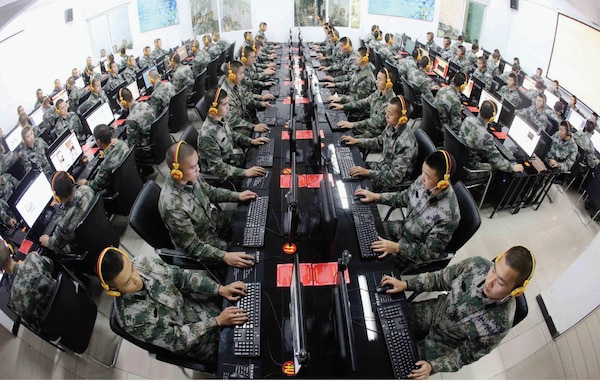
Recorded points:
(316,63)
(265,154)
(402,350)
(333,117)
(321,75)
(503,150)
(275,90)
(364,223)
(270,116)
(246,337)
(345,162)
(256,220)
(89,169)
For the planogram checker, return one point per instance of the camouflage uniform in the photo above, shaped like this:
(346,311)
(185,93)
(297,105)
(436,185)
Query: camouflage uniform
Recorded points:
(399,153)
(32,286)
(71,122)
(253,79)
(406,65)
(114,80)
(461,325)
(193,222)
(346,65)
(129,74)
(472,57)
(7,159)
(463,63)
(74,95)
(146,62)
(483,154)
(484,76)
(216,142)
(446,53)
(123,62)
(93,99)
(158,52)
(239,103)
(213,51)
(432,45)
(8,183)
(200,62)
(511,96)
(161,96)
(564,152)
(5,212)
(35,157)
(163,314)
(138,122)
(538,118)
(386,54)
(49,118)
(368,38)
(420,81)
(532,94)
(113,156)
(182,77)
(68,219)
(583,141)
(447,101)
(359,86)
(221,44)
(376,103)
(428,226)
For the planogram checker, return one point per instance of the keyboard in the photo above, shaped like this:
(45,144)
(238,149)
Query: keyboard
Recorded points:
(275,90)
(256,221)
(316,63)
(270,116)
(265,154)
(394,325)
(321,75)
(345,162)
(50,227)
(333,117)
(246,337)
(364,223)
(89,169)
(503,150)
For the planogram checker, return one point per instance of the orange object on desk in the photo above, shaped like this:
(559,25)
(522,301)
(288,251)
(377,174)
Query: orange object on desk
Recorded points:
(118,122)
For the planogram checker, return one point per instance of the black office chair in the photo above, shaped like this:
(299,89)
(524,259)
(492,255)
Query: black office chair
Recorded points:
(411,96)
(84,107)
(160,140)
(161,354)
(592,197)
(125,185)
(459,150)
(84,97)
(190,136)
(397,85)
(198,90)
(521,309)
(552,126)
(202,108)
(221,66)
(178,116)
(17,169)
(212,76)
(431,123)
(230,50)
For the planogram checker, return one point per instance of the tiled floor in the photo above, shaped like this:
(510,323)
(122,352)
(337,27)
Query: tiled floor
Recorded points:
(553,233)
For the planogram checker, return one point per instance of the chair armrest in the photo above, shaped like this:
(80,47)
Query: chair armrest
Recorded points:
(111,197)
(175,253)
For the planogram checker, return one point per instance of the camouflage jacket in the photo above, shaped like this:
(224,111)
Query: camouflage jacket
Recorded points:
(429,223)
(472,57)
(447,101)
(5,213)
(68,219)
(129,74)
(239,103)
(463,325)
(182,77)
(421,83)
(138,122)
(511,96)
(563,151)
(71,122)
(376,103)
(93,99)
(405,66)
(114,80)
(583,141)
(200,62)
(7,159)
(432,45)
(8,183)
(463,63)
(481,146)
(35,157)
(213,51)
(344,70)
(187,211)
(74,95)
(146,62)
(161,96)
(359,86)
(156,53)
(386,54)
(164,314)
(216,142)
(484,76)
(49,118)
(538,118)
(32,286)
(221,44)
(399,150)
(113,156)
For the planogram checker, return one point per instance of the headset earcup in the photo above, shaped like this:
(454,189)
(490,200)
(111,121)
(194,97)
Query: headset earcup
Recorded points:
(213,111)
(113,293)
(176,174)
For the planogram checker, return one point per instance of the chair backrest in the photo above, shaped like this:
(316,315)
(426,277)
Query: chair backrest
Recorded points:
(593,188)
(126,184)
(84,97)
(199,88)
(94,233)
(178,116)
(426,147)
(521,310)
(396,78)
(202,108)
(431,123)
(145,218)
(470,220)
(552,126)
(190,136)
(160,140)
(212,78)
(222,58)
(230,50)
(458,149)
(70,315)
(411,96)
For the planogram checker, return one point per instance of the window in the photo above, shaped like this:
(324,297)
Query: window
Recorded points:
(110,31)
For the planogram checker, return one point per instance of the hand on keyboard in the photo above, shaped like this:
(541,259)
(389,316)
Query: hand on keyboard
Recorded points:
(359,171)
(385,247)
(248,195)
(396,284)
(259,141)
(238,259)
(268,97)
(423,372)
(336,106)
(261,127)
(348,140)
(366,195)
(233,291)
(255,171)
(231,316)
(44,240)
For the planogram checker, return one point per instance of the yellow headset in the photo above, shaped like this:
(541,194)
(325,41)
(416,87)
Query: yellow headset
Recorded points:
(105,286)
(10,248)
(365,58)
(195,46)
(230,74)
(213,107)
(388,79)
(463,87)
(334,37)
(254,45)
(108,63)
(122,101)
(171,62)
(520,290)
(247,36)
(389,39)
(262,27)
(129,61)
(378,35)
(428,67)
(419,56)
(403,119)
(176,173)
(206,40)
(91,85)
(347,47)
(243,59)
(493,117)
(57,110)
(445,182)
(56,197)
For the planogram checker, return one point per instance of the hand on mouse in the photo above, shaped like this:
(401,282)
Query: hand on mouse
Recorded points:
(238,259)
(396,284)
(349,140)
(423,372)
(366,195)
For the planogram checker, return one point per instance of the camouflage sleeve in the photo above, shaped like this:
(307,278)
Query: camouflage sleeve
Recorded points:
(241,140)
(426,90)
(360,104)
(100,181)
(4,216)
(493,156)
(342,86)
(373,124)
(217,195)
(565,165)
(63,234)
(235,119)
(390,174)
(209,149)
(77,127)
(363,90)
(396,199)
(374,144)
(440,280)
(437,240)
(341,78)
(191,281)
(133,133)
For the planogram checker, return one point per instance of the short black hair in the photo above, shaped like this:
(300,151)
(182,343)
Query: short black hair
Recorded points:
(175,58)
(247,51)
(589,126)
(437,161)
(520,259)
(386,72)
(424,62)
(185,151)
(362,51)
(459,79)
(487,109)
(112,265)
(235,66)
(125,93)
(103,133)
(513,76)
(59,102)
(210,96)
(63,185)
(415,53)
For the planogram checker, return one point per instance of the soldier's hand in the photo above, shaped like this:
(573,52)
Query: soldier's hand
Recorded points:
(366,195)
(254,172)
(259,141)
(268,97)
(335,98)
(233,291)
(397,284)
(553,163)
(329,84)
(81,182)
(266,104)
(518,168)
(385,247)
(269,84)
(238,259)
(423,372)
(336,106)
(349,140)
(269,71)
(271,64)
(12,222)
(248,194)
(44,240)
(345,124)
(231,316)
(261,127)
(328,78)
(359,171)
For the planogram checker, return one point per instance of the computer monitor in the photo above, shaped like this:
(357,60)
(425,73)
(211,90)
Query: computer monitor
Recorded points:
(551,99)
(508,113)
(145,75)
(33,200)
(13,138)
(135,91)
(292,215)
(315,154)
(595,138)
(60,95)
(101,115)
(398,39)
(524,135)
(486,96)
(468,88)
(478,86)
(329,217)
(344,329)
(453,68)
(182,51)
(409,46)
(424,52)
(507,68)
(64,151)
(79,82)
(167,64)
(37,116)
(543,145)
(576,119)
(528,83)
(297,318)
(433,54)
(440,67)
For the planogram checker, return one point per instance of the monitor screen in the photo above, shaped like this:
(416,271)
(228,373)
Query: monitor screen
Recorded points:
(60,95)
(79,82)
(182,51)
(13,138)
(34,199)
(486,96)
(167,64)
(64,152)
(576,119)
(551,99)
(596,140)
(440,67)
(524,135)
(297,318)
(145,74)
(135,91)
(528,83)
(37,116)
(102,115)
(468,88)
(409,46)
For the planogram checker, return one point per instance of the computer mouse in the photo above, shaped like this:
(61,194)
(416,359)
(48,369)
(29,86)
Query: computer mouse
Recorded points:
(383,289)
(358,197)
(236,375)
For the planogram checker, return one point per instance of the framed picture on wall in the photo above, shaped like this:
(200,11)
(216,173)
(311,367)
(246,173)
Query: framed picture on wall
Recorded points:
(155,14)
(236,15)
(204,16)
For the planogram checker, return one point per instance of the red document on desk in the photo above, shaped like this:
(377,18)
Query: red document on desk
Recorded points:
(311,274)
(299,101)
(25,246)
(144,98)
(473,108)
(500,135)
(284,274)
(301,134)
(118,122)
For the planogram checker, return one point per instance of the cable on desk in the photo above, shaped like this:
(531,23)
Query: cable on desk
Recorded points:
(271,356)
(272,308)
(365,327)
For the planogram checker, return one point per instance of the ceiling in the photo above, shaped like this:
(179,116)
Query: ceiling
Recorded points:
(9,9)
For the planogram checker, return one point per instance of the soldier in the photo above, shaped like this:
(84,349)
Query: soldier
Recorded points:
(482,73)
(7,159)
(346,63)
(74,94)
(49,118)
(201,58)
(463,63)
(538,75)
(240,101)
(182,74)
(516,70)
(34,152)
(563,151)
(39,94)
(370,36)
(375,42)
(31,284)
(67,120)
(162,94)
(420,80)
(430,43)
(124,58)
(57,86)
(252,79)
(483,154)
(385,50)
(478,309)
(6,216)
(96,94)
(146,60)
(538,89)
(472,54)
(405,65)
(24,120)
(213,50)
(185,206)
(375,104)
(113,153)
(584,142)
(114,78)
(447,101)
(536,112)
(131,70)
(432,216)
(154,305)
(76,203)
(359,85)
(216,142)
(397,144)
(510,92)
(220,43)
(460,40)
(158,50)
(446,52)
(555,89)
(8,183)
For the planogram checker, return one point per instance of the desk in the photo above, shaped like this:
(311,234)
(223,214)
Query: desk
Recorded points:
(373,359)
